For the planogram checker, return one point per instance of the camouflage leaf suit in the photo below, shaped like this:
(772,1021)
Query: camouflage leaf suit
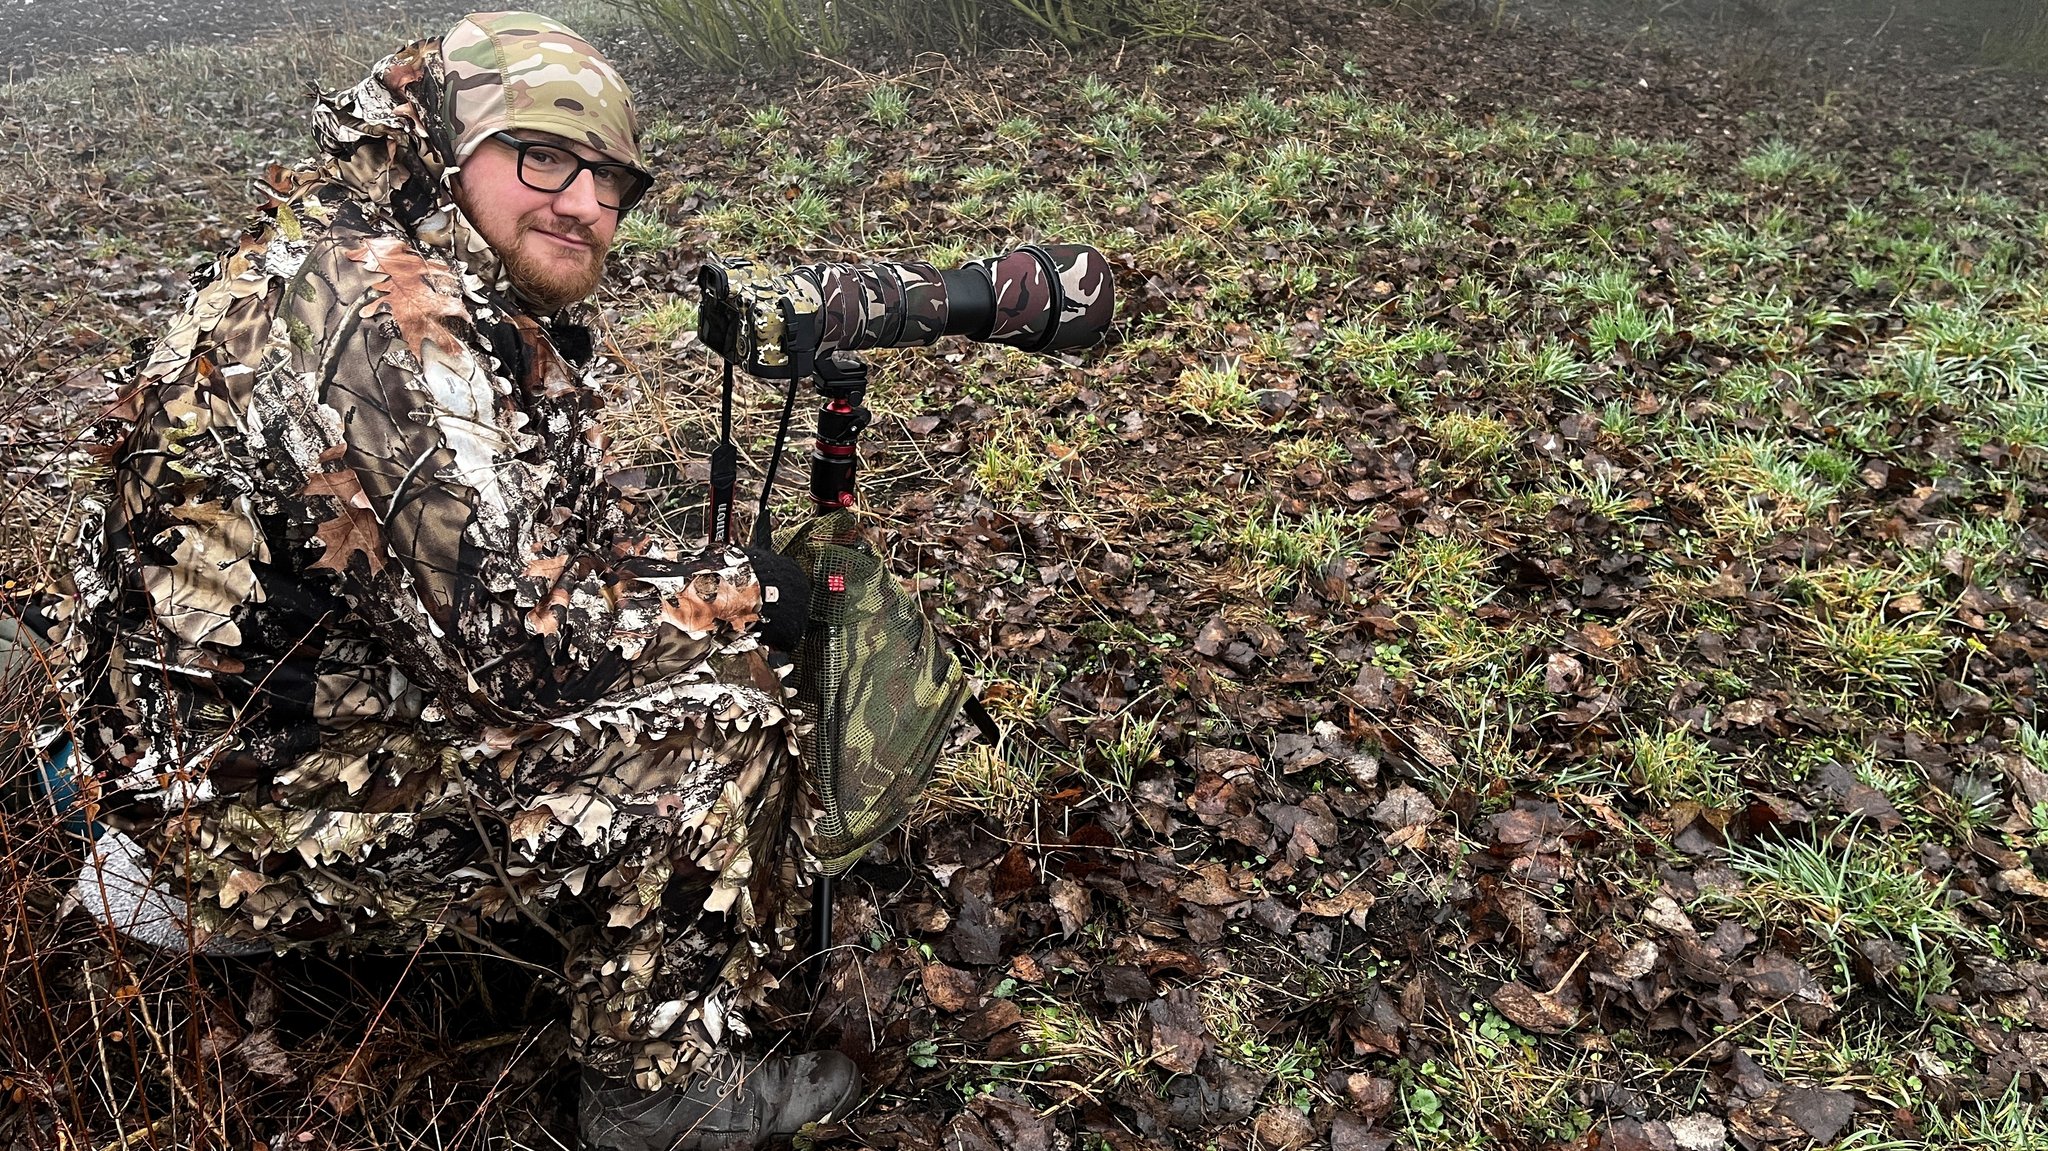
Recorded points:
(370,650)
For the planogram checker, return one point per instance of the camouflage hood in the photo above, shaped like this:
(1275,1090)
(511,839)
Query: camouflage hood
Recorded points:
(384,141)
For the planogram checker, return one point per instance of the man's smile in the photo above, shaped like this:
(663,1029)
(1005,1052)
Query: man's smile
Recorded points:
(575,243)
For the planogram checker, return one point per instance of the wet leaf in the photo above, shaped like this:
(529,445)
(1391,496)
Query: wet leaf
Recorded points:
(949,988)
(1533,1010)
(1175,1032)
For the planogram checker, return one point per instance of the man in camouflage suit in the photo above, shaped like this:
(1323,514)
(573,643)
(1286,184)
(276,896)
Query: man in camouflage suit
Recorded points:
(369,650)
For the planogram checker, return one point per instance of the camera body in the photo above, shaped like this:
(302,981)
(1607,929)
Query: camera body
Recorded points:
(776,325)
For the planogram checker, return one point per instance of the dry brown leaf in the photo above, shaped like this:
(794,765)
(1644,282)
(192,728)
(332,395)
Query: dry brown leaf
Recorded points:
(1352,904)
(1533,1010)
(1071,902)
(354,527)
(949,988)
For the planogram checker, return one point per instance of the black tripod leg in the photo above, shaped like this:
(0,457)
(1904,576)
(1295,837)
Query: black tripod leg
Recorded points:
(821,922)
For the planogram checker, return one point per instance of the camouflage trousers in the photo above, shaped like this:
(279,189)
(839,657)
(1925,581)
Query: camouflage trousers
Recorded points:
(663,839)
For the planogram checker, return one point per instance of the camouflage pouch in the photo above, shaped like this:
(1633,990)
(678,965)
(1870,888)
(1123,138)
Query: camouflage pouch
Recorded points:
(878,684)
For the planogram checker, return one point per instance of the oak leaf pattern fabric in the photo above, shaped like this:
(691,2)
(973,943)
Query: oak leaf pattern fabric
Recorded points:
(368,650)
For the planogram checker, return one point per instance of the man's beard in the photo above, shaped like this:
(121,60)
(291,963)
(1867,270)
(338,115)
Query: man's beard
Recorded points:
(551,285)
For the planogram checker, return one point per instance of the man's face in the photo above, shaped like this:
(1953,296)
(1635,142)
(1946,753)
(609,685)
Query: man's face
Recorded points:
(552,243)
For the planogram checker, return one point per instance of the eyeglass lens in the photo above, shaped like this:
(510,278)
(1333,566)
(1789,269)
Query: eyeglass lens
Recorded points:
(545,168)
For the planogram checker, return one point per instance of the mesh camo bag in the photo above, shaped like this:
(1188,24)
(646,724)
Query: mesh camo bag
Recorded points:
(878,683)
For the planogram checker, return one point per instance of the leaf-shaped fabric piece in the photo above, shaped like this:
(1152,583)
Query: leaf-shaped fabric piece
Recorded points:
(210,575)
(354,529)
(418,294)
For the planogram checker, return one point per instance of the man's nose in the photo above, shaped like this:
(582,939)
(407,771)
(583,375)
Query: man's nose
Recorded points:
(578,201)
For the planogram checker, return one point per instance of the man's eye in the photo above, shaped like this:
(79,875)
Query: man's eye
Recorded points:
(612,178)
(546,157)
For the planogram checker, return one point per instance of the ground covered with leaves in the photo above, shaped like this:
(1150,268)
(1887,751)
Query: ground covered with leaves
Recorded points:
(1530,636)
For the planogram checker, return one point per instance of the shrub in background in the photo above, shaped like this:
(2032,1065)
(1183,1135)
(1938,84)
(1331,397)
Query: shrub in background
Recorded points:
(739,35)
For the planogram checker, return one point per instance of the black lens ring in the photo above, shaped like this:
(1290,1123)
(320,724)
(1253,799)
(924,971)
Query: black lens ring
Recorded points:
(1059,295)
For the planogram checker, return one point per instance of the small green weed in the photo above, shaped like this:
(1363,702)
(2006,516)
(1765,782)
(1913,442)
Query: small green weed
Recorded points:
(1280,549)
(644,232)
(1842,893)
(1491,1076)
(1231,1006)
(1217,394)
(1470,439)
(887,105)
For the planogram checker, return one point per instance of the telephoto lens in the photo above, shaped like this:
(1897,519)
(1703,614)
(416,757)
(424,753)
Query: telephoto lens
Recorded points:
(1040,298)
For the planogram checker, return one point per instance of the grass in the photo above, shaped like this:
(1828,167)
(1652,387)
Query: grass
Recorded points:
(1231,1009)
(664,324)
(1877,656)
(1002,781)
(1444,571)
(1014,465)
(1078,1047)
(1137,746)
(641,232)
(1777,162)
(1216,393)
(1847,892)
(887,105)
(2011,1122)
(1492,1074)
(1280,550)
(1678,765)
(1471,439)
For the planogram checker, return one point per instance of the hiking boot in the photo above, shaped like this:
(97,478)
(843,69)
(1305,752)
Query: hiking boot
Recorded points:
(733,1105)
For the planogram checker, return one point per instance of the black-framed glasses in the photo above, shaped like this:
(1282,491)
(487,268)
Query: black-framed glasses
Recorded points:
(548,167)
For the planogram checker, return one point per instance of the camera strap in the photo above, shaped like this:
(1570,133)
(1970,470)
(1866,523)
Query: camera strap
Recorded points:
(764,528)
(725,469)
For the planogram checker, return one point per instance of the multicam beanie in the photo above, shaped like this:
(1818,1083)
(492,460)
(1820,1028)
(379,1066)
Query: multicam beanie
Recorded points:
(520,70)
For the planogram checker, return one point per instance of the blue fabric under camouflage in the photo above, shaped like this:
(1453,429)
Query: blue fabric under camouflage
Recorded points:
(371,649)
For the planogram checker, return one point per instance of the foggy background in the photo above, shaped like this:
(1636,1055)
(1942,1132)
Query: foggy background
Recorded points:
(1824,33)
(1828,34)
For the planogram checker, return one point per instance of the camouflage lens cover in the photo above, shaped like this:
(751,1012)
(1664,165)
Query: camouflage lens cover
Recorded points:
(1052,298)
(748,309)
(883,304)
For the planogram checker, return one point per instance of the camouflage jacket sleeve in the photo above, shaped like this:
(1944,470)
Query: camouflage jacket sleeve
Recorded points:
(460,501)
